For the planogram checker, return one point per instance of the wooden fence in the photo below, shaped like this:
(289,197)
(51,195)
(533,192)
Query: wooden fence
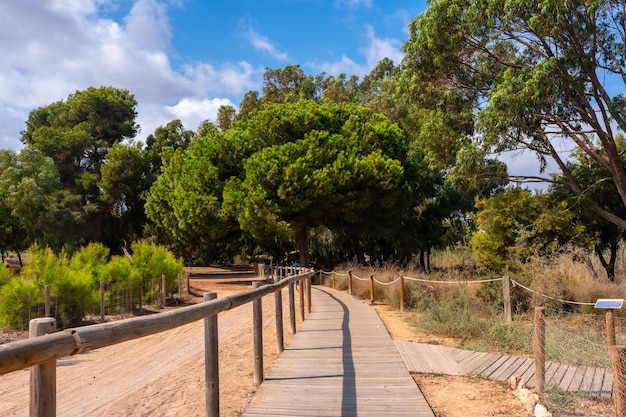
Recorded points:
(40,353)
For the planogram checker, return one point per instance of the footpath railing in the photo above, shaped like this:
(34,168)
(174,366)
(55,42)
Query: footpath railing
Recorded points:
(41,351)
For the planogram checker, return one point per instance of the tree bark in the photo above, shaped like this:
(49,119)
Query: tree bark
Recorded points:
(302,240)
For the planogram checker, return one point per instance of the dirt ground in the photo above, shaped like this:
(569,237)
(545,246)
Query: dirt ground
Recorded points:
(163,374)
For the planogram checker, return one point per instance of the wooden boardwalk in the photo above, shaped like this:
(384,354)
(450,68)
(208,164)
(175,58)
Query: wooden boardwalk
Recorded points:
(341,362)
(425,358)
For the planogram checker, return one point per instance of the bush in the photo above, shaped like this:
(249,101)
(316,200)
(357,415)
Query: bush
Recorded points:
(153,261)
(5,277)
(17,299)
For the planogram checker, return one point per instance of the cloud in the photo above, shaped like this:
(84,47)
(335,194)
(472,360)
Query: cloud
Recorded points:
(374,50)
(354,3)
(192,112)
(50,50)
(378,48)
(345,66)
(262,43)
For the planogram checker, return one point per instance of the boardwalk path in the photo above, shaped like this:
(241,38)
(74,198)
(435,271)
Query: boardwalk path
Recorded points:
(424,358)
(341,362)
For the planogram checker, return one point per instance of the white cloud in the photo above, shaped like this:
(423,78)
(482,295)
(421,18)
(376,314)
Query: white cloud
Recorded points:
(263,44)
(374,50)
(377,49)
(192,112)
(48,52)
(355,3)
(345,66)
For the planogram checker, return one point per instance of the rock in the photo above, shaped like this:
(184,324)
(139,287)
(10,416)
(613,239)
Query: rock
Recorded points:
(540,411)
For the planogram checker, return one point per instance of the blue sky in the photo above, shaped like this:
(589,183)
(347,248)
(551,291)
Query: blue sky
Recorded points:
(182,58)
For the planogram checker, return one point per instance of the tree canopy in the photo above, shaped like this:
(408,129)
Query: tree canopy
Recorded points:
(287,168)
(533,74)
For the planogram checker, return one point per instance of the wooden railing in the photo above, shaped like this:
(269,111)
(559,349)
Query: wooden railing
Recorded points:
(41,352)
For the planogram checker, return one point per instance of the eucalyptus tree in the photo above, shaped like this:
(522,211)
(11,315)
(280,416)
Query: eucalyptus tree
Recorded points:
(535,74)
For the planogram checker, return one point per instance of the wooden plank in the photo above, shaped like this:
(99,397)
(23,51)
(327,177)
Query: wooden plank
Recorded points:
(558,375)
(518,367)
(486,362)
(598,379)
(353,369)
(440,362)
(495,366)
(567,378)
(460,354)
(416,359)
(577,379)
(511,363)
(587,380)
(607,385)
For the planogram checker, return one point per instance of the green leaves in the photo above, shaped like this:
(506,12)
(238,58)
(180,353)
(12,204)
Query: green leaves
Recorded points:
(287,166)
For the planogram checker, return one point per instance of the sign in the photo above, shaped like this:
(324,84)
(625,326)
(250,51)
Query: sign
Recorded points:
(607,303)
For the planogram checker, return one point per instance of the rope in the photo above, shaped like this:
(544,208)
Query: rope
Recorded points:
(552,298)
(386,283)
(453,282)
(360,279)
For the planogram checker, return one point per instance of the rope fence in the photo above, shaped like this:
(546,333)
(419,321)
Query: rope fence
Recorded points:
(573,352)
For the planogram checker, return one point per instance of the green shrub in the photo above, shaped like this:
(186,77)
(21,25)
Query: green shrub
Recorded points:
(120,270)
(153,261)
(91,259)
(17,299)
(5,277)
(77,296)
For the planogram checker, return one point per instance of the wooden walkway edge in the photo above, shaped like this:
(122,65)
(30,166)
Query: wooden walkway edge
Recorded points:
(342,362)
(426,358)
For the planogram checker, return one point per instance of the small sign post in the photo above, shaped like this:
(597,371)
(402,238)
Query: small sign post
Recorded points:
(609,305)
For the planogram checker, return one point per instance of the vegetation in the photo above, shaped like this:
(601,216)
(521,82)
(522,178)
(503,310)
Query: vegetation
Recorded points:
(74,280)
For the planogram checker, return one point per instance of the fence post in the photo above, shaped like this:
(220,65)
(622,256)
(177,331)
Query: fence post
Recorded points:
(350,282)
(257,319)
(332,280)
(301,293)
(180,289)
(211,362)
(372,289)
(610,328)
(618,356)
(47,302)
(102,301)
(43,377)
(506,296)
(308,293)
(292,309)
(540,348)
(401,282)
(188,284)
(163,291)
(141,297)
(280,340)
(321,278)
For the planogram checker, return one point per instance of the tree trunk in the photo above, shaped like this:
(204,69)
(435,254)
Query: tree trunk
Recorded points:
(19,257)
(609,266)
(302,240)
(422,260)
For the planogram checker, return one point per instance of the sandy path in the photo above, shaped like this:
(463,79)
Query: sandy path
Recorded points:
(159,375)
